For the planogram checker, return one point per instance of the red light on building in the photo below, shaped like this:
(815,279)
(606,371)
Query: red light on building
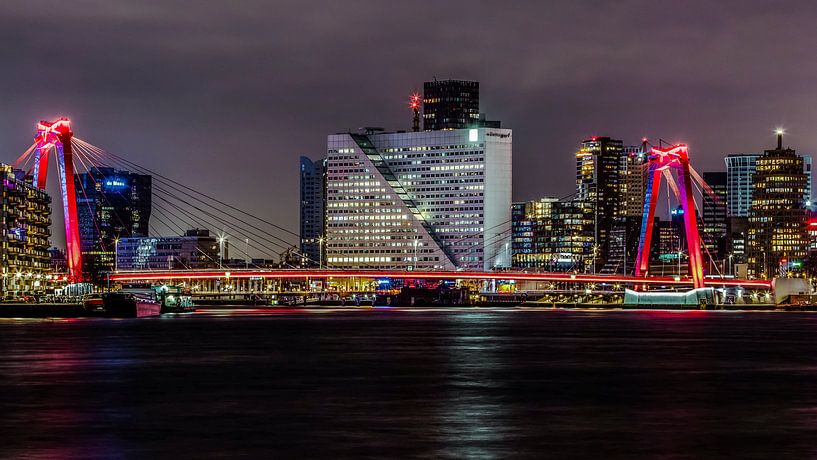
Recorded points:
(414,101)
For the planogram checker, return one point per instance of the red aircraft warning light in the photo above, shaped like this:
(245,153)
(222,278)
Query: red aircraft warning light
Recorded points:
(414,105)
(414,102)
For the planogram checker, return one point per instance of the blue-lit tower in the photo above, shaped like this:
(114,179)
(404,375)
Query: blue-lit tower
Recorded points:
(111,204)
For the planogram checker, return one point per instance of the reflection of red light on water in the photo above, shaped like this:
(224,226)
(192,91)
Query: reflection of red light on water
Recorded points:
(657,314)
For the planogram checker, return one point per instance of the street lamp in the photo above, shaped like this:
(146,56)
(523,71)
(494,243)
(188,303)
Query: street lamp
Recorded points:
(321,239)
(116,255)
(680,254)
(221,240)
(416,242)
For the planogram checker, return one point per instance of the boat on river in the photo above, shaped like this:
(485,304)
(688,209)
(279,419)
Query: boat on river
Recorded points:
(140,300)
(122,304)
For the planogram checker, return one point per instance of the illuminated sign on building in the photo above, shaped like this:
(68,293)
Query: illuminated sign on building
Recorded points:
(115,183)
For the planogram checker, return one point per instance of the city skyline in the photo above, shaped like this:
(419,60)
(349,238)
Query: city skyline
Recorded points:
(368,229)
(554,85)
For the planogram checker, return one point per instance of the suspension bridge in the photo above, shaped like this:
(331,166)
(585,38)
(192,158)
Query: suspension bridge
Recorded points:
(177,207)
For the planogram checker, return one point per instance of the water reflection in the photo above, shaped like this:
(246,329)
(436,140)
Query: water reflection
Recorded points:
(309,382)
(48,372)
(471,419)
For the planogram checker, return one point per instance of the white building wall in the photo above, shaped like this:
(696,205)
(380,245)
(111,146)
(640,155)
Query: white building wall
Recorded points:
(498,187)
(459,180)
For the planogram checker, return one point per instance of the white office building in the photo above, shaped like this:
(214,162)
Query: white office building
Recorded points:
(419,200)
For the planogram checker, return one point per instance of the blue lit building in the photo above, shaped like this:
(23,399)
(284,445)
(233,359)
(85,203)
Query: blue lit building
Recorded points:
(111,204)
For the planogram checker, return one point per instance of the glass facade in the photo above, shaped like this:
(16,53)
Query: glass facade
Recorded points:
(111,204)
(313,209)
(450,104)
(553,235)
(714,226)
(194,250)
(600,164)
(740,169)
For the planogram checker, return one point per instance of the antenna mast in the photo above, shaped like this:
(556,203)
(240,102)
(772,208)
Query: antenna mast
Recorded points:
(414,105)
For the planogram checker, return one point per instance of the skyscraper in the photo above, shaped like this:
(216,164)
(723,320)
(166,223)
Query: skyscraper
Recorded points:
(313,209)
(777,237)
(714,212)
(634,181)
(599,178)
(623,237)
(450,104)
(419,200)
(807,198)
(111,204)
(740,170)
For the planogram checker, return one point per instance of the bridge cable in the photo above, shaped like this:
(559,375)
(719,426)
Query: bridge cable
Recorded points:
(288,245)
(194,190)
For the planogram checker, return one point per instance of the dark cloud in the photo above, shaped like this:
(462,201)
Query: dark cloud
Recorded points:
(226,95)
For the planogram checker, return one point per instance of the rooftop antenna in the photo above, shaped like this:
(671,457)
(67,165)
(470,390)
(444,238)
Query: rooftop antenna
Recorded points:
(780,132)
(414,105)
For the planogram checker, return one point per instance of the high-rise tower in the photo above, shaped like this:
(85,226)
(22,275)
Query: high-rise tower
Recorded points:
(313,209)
(450,104)
(777,238)
(599,179)
(111,204)
(714,212)
(740,171)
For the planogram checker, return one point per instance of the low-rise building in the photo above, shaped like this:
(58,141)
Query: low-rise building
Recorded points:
(195,249)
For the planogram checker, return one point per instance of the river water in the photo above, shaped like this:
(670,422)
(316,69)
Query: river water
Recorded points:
(392,383)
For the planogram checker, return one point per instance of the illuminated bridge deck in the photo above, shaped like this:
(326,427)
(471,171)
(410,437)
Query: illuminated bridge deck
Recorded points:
(560,277)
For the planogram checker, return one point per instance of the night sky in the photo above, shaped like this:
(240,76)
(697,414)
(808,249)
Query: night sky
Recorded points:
(226,95)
